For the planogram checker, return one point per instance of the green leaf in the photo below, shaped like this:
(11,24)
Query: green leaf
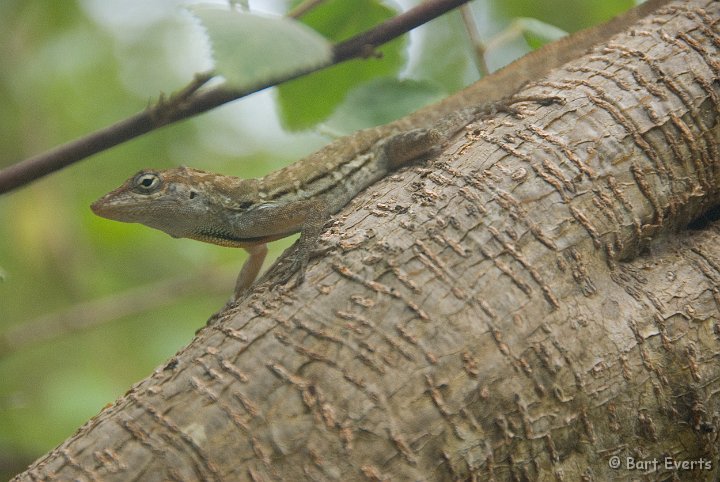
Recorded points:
(445,54)
(381,101)
(252,49)
(538,33)
(306,101)
(569,16)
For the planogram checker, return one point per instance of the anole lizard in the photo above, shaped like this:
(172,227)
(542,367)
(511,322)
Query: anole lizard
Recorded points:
(248,213)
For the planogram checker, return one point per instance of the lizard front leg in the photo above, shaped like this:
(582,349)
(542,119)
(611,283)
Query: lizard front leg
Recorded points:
(307,216)
(251,268)
(312,227)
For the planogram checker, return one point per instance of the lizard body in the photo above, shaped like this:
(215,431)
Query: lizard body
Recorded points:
(248,213)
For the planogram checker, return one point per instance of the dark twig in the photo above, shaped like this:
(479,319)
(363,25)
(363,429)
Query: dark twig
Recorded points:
(198,81)
(190,101)
(362,44)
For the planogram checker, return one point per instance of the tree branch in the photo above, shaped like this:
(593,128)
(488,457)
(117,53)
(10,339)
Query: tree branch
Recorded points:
(190,101)
(91,314)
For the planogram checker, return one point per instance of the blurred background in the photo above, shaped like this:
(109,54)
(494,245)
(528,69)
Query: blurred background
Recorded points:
(89,306)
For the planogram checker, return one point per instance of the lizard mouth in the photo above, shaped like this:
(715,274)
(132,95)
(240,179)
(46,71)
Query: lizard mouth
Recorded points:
(97,207)
(102,208)
(109,210)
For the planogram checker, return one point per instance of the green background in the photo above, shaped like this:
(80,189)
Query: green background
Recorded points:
(69,68)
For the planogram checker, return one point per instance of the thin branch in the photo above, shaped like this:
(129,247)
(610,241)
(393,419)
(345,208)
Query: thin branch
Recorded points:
(364,43)
(198,81)
(478,45)
(190,101)
(91,314)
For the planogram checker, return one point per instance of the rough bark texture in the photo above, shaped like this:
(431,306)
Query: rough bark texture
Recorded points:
(524,307)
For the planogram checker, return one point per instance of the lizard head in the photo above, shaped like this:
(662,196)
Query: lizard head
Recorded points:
(172,200)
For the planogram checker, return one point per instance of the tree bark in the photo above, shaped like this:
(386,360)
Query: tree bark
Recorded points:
(525,306)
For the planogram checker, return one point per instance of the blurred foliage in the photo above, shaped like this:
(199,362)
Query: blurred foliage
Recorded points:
(568,16)
(537,33)
(249,49)
(75,66)
(380,101)
(309,99)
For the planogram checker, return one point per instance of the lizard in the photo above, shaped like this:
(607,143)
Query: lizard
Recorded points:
(249,213)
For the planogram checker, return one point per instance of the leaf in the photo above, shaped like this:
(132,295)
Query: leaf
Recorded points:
(306,101)
(569,16)
(519,37)
(251,49)
(445,54)
(380,101)
(538,33)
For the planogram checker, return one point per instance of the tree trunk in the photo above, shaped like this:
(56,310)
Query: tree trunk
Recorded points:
(525,306)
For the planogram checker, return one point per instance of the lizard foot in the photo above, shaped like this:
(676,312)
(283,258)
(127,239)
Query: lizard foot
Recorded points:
(297,268)
(298,263)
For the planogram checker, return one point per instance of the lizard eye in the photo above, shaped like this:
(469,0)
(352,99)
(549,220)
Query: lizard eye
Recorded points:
(147,182)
